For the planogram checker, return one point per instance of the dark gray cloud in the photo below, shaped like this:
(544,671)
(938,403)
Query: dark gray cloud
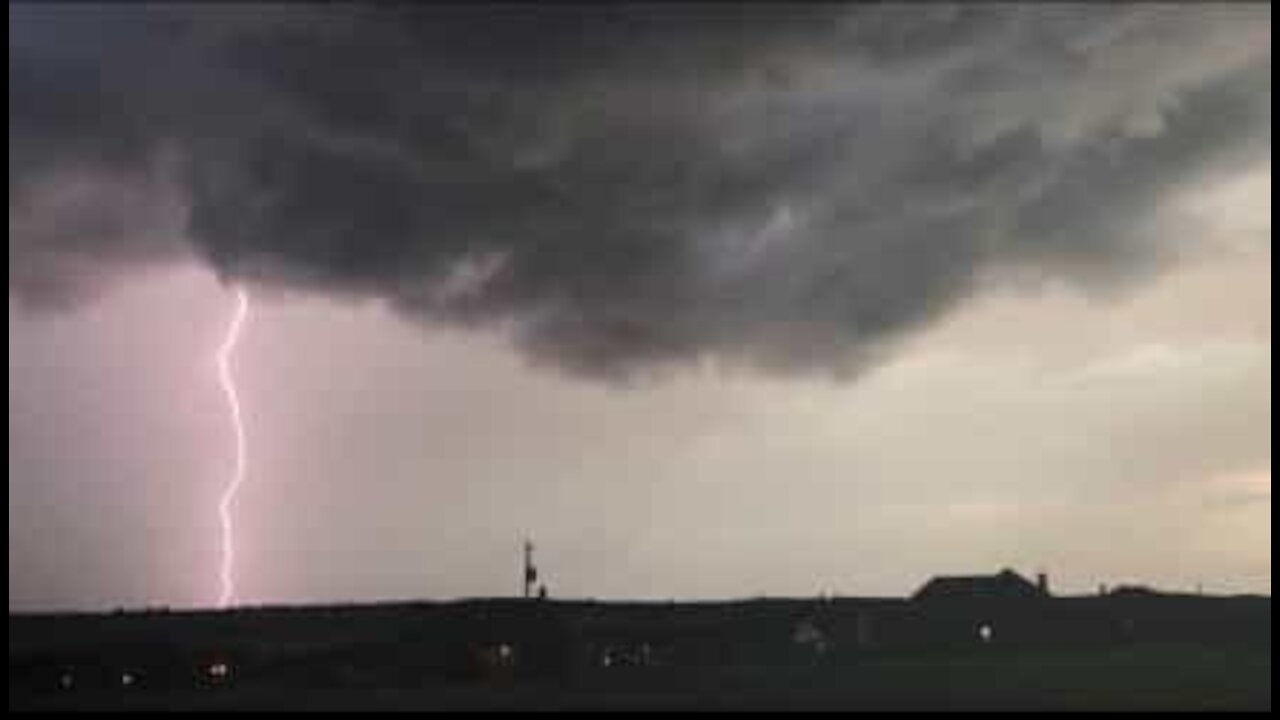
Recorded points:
(625,189)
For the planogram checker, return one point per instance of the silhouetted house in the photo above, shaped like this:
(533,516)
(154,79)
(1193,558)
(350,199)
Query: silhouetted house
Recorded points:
(985,610)
(1007,585)
(1133,591)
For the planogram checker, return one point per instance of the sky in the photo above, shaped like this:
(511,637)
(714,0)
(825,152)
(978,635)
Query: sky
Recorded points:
(711,302)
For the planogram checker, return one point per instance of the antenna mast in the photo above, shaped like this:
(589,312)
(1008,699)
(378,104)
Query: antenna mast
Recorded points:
(530,570)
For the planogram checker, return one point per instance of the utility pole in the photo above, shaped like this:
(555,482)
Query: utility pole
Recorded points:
(530,570)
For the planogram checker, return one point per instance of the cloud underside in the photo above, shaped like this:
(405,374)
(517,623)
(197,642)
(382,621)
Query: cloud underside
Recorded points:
(626,190)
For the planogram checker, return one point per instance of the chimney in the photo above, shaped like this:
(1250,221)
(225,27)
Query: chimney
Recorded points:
(1042,581)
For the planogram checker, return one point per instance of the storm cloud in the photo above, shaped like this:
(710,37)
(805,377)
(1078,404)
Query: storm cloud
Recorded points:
(625,189)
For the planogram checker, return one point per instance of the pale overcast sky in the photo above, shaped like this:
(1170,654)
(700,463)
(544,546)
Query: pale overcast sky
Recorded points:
(711,302)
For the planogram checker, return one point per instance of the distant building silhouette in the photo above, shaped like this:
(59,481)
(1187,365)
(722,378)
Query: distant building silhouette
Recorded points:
(1134,591)
(1007,585)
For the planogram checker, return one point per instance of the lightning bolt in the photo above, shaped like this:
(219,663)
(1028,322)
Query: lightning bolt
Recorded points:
(227,378)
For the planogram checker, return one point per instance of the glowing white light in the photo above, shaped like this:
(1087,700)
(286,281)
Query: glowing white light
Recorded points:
(225,506)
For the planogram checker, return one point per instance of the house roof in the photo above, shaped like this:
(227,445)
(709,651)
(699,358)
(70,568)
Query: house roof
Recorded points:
(1003,586)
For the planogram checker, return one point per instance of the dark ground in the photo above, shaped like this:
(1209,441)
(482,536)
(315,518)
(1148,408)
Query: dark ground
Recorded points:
(1146,654)
(1150,679)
